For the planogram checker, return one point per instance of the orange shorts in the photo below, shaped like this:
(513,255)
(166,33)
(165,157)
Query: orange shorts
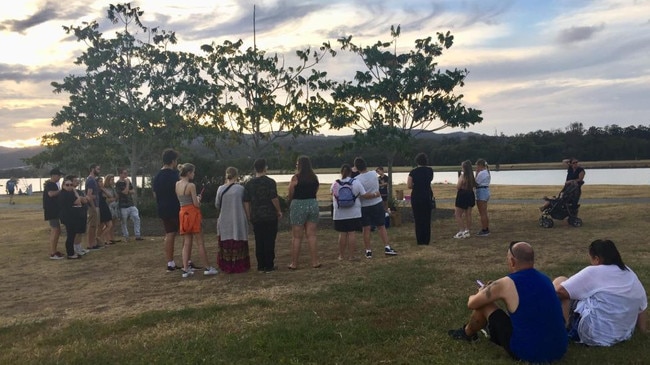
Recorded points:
(190,219)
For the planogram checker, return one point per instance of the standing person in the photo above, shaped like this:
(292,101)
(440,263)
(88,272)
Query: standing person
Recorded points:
(419,180)
(304,211)
(262,208)
(113,204)
(127,207)
(51,211)
(372,209)
(190,220)
(606,299)
(10,187)
(483,178)
(83,224)
(164,190)
(105,233)
(382,179)
(346,198)
(532,329)
(232,225)
(465,199)
(73,215)
(575,175)
(92,193)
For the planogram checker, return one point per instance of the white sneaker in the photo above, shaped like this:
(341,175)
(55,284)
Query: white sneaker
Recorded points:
(460,234)
(80,252)
(466,233)
(188,273)
(210,271)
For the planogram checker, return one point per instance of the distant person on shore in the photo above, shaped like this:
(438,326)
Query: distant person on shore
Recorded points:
(372,209)
(51,211)
(419,181)
(304,211)
(531,328)
(382,179)
(168,206)
(603,302)
(128,209)
(10,187)
(483,178)
(575,175)
(191,220)
(465,199)
(263,211)
(232,225)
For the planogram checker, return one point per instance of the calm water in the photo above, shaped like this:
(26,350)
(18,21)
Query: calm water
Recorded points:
(640,176)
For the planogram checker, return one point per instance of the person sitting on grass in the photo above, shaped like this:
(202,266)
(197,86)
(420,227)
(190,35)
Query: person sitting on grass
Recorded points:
(533,329)
(603,302)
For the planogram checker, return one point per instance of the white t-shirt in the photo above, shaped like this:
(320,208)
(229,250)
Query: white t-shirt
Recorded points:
(609,301)
(483,178)
(371,184)
(350,212)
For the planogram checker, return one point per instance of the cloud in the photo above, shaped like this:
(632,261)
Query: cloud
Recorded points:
(45,14)
(578,34)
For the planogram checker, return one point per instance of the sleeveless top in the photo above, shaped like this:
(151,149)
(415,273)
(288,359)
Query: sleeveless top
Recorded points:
(305,190)
(185,199)
(538,332)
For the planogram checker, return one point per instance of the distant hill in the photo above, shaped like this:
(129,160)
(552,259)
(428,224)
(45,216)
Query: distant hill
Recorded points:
(11,158)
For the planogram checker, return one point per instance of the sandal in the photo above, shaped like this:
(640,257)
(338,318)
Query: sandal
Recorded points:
(292,267)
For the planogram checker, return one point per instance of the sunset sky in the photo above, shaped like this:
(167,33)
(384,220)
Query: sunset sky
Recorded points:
(533,64)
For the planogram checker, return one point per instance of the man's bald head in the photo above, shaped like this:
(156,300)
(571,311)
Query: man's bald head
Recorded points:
(522,252)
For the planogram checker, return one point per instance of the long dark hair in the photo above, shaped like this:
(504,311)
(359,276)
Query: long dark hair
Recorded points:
(607,252)
(469,182)
(346,170)
(305,173)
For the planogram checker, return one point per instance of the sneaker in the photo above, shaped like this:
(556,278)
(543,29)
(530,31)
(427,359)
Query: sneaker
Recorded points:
(368,254)
(188,273)
(483,233)
(95,247)
(172,268)
(139,239)
(460,234)
(270,269)
(466,233)
(56,256)
(210,271)
(191,265)
(80,252)
(459,334)
(74,257)
(389,251)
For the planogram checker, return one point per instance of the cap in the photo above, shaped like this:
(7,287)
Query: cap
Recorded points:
(55,171)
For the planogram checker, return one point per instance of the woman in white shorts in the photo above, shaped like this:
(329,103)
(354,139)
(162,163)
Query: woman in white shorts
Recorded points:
(483,195)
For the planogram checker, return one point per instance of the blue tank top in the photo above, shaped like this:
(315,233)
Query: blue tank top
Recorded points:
(538,332)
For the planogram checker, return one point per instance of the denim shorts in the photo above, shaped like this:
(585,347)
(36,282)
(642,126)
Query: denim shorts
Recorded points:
(483,194)
(303,211)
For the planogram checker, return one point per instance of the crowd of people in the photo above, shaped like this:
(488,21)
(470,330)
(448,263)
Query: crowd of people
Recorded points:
(599,306)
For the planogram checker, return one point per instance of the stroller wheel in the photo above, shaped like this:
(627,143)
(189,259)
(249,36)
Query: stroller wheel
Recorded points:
(576,222)
(545,222)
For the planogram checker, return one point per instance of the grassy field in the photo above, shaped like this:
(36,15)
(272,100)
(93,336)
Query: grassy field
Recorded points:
(119,306)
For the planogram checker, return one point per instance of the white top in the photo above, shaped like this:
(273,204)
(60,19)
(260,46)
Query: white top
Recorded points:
(483,178)
(371,184)
(350,212)
(609,301)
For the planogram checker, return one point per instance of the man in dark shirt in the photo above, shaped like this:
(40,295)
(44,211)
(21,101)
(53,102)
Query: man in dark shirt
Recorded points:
(128,209)
(164,190)
(92,193)
(263,211)
(51,210)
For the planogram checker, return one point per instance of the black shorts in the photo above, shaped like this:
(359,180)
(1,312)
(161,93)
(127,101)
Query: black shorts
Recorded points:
(465,199)
(374,215)
(171,224)
(348,225)
(500,329)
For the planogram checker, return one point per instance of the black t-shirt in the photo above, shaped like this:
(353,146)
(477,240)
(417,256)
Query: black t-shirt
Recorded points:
(260,192)
(383,190)
(306,190)
(572,175)
(125,200)
(164,185)
(421,177)
(50,204)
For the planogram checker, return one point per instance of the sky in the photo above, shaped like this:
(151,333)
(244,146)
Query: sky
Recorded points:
(533,64)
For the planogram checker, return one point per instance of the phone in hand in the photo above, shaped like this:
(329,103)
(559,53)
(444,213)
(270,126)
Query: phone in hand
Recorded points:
(480,284)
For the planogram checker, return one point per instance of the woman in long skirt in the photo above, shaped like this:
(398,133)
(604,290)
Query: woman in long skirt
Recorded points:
(232,225)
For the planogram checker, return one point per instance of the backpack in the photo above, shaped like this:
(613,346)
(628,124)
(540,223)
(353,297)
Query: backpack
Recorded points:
(345,198)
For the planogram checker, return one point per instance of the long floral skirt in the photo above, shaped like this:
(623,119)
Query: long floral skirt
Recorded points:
(233,256)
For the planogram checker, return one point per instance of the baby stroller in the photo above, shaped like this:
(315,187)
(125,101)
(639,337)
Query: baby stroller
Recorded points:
(562,206)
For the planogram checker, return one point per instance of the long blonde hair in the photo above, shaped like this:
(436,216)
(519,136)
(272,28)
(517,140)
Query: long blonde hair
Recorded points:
(469,182)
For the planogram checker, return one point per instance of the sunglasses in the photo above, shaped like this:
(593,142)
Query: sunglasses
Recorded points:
(510,248)
(67,184)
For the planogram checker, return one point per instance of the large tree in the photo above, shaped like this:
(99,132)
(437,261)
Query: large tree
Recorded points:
(265,99)
(400,95)
(135,98)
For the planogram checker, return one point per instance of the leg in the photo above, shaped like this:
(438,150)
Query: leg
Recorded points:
(343,237)
(482,211)
(383,234)
(458,214)
(93,218)
(310,229)
(125,216)
(269,244)
(259,245)
(70,239)
(366,237)
(297,232)
(566,303)
(203,254)
(55,233)
(169,246)
(351,238)
(187,250)
(135,215)
(468,219)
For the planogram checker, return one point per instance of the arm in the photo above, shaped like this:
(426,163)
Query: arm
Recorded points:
(276,204)
(196,199)
(292,187)
(485,295)
(409,182)
(642,322)
(561,292)
(90,195)
(247,210)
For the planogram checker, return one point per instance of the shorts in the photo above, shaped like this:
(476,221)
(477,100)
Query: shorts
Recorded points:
(171,224)
(483,194)
(93,216)
(500,328)
(54,223)
(303,211)
(574,321)
(190,219)
(374,215)
(465,199)
(348,225)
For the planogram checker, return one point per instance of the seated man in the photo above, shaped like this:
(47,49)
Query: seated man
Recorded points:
(533,329)
(606,298)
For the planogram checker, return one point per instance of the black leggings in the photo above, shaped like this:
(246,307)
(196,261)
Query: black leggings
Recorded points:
(422,217)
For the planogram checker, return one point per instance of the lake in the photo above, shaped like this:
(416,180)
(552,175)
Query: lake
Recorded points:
(638,176)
